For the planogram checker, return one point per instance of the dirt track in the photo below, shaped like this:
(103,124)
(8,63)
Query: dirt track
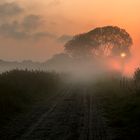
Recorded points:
(72,114)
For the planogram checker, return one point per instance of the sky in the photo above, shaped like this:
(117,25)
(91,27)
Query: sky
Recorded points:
(38,29)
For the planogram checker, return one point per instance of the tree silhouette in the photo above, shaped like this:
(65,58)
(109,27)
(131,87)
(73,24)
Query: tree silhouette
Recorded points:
(102,41)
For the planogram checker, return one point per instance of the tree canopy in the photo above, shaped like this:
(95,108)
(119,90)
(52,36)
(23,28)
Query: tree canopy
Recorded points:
(102,41)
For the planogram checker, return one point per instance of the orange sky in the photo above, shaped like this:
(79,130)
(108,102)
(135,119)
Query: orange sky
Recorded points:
(68,17)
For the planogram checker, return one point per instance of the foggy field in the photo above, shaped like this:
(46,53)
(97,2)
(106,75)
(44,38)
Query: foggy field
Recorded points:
(82,93)
(43,105)
(69,70)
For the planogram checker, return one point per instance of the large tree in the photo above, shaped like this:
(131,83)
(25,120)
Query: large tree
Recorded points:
(102,41)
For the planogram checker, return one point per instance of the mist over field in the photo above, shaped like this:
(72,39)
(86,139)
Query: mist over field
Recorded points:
(87,56)
(69,70)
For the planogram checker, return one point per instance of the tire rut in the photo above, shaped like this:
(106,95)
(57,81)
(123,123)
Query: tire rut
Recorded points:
(44,116)
(72,115)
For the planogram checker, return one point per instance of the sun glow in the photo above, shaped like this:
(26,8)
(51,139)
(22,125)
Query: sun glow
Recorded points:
(123,55)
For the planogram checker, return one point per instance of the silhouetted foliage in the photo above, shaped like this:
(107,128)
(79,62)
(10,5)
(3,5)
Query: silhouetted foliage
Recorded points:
(19,89)
(59,59)
(59,62)
(137,75)
(102,41)
(121,107)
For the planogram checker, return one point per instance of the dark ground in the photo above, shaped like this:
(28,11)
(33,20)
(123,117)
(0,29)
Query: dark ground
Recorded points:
(71,114)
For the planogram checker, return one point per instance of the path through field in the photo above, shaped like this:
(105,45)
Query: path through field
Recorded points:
(71,114)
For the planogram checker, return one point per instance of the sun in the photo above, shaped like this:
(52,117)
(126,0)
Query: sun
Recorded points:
(123,55)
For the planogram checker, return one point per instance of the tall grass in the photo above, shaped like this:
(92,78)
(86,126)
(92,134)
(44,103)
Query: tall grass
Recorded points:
(20,89)
(121,105)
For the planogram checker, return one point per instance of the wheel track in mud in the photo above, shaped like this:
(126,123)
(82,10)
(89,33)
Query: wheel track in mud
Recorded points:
(95,127)
(72,115)
(59,97)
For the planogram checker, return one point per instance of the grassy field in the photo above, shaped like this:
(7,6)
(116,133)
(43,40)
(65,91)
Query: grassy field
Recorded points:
(120,100)
(118,97)
(21,89)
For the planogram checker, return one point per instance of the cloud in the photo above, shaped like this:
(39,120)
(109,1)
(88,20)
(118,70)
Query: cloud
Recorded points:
(10,9)
(31,22)
(20,30)
(12,30)
(27,27)
(64,38)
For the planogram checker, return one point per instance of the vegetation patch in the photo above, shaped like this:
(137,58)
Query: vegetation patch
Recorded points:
(21,89)
(120,100)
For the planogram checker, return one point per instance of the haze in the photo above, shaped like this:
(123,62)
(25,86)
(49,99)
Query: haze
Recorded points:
(37,29)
